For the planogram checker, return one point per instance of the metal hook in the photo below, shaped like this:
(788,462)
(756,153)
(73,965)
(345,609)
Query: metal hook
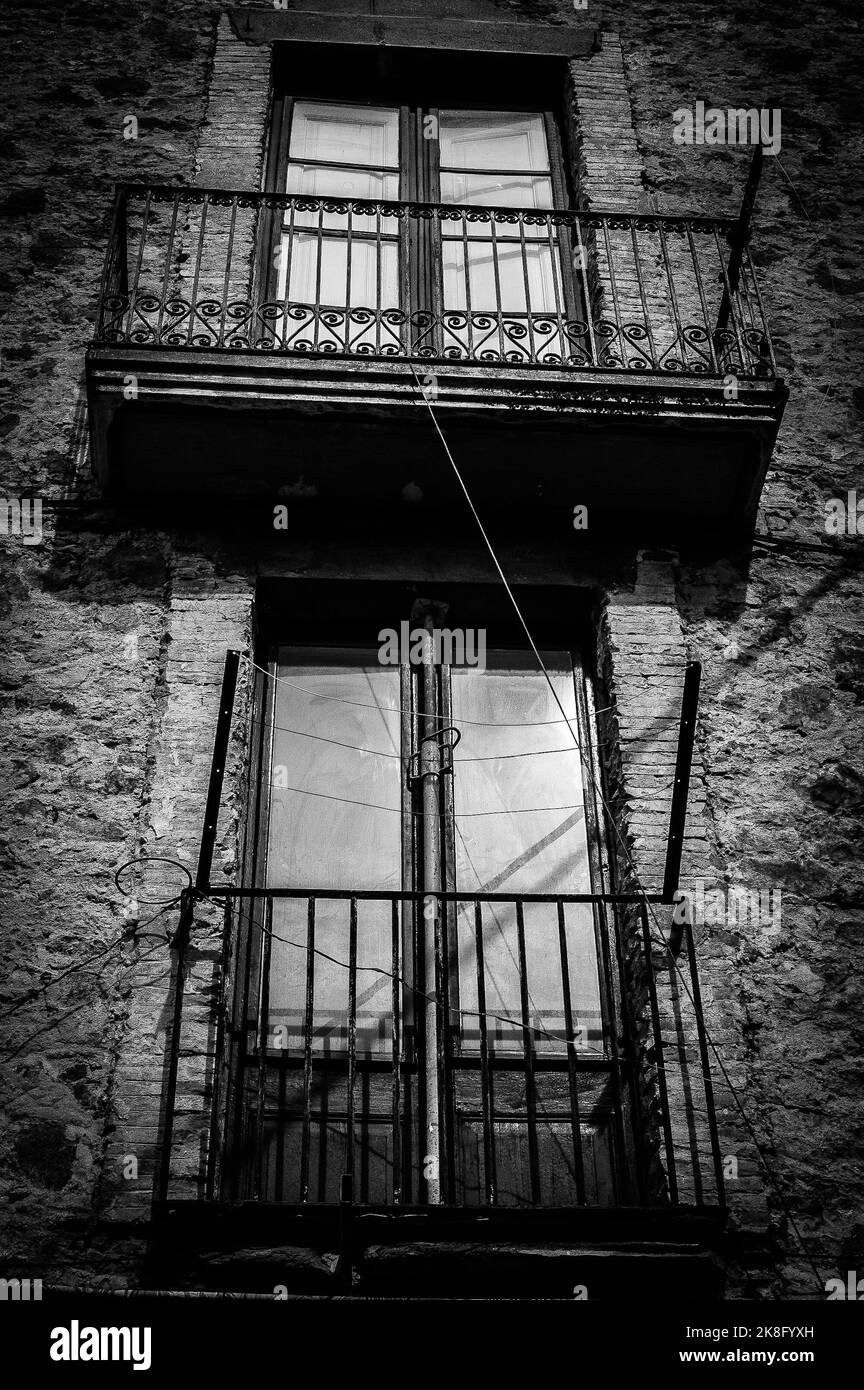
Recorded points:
(437,737)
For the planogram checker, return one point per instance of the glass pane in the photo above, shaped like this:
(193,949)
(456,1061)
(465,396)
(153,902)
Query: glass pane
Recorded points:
(335,822)
(369,263)
(496,190)
(304,828)
(350,184)
(534,842)
(515,265)
(493,140)
(345,134)
(453,260)
(342,183)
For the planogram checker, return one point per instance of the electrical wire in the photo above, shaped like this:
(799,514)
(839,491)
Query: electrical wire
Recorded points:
(850,554)
(392,975)
(462,815)
(13,1052)
(150,859)
(398,709)
(131,932)
(661,939)
(381,753)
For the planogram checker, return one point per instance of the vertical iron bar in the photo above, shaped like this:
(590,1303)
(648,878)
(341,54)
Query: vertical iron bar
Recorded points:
(319,264)
(263,1030)
(628,1028)
(527,283)
(193,298)
(673,298)
(738,236)
(136,276)
(701,288)
(349,232)
(290,239)
(681,784)
(242,1025)
(180,942)
(729,301)
(217,769)
(214,1146)
(616,308)
(640,283)
(629,1032)
(766,332)
(706,1068)
(352,1034)
(227,283)
(307,1049)
(659,1049)
(468,310)
(396,1044)
(445,1070)
(488,1099)
(586,288)
(556,268)
(751,317)
(111,278)
(497,270)
(578,1162)
(163,299)
(123,246)
(528,1044)
(433,1023)
(378,278)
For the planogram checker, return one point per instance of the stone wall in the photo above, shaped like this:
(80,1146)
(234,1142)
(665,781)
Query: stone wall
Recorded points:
(115,633)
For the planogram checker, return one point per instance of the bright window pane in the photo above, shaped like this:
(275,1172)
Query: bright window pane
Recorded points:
(492,140)
(319,836)
(453,254)
(515,264)
(496,190)
(345,134)
(528,847)
(346,182)
(368,266)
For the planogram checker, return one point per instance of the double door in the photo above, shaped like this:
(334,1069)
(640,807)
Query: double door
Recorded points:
(428,1011)
(368,281)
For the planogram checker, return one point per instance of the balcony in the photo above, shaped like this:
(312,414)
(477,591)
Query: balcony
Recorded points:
(623,362)
(439,1114)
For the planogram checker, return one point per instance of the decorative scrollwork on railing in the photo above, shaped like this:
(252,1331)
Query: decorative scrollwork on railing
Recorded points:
(564,288)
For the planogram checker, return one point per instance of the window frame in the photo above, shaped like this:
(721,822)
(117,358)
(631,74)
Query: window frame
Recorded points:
(420,273)
(329,616)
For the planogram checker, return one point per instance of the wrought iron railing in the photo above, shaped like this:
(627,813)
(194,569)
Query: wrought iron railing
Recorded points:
(202,269)
(319,1060)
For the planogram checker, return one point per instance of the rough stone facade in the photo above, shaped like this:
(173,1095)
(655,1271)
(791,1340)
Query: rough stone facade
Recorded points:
(115,628)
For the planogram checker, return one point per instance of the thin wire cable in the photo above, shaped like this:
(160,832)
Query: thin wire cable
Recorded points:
(13,1052)
(463,815)
(661,939)
(536,1027)
(397,709)
(392,975)
(381,753)
(130,932)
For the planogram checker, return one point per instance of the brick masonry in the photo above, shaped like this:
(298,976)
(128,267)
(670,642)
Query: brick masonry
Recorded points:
(115,633)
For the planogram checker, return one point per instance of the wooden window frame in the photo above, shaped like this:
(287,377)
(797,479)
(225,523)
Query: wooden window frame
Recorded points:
(420,273)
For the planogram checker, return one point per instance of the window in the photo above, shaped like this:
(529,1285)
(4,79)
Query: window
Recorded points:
(343,152)
(509,820)
(475,284)
(380,1011)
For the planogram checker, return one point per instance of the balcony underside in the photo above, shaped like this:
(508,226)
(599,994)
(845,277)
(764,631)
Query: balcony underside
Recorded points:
(659,452)
(442,1252)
